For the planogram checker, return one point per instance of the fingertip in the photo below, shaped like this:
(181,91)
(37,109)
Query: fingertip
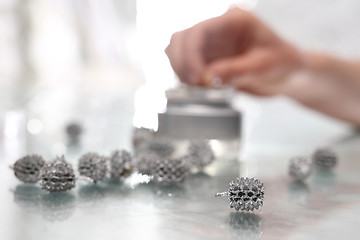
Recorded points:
(209,79)
(217,82)
(205,79)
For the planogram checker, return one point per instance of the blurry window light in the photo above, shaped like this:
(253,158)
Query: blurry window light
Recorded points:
(12,124)
(34,126)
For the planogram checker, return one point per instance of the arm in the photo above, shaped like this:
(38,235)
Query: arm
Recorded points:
(243,52)
(329,85)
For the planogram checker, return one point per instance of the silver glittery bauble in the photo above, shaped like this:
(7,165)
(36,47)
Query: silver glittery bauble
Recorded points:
(324,158)
(93,166)
(300,168)
(141,136)
(73,130)
(27,169)
(170,171)
(121,165)
(246,194)
(57,176)
(163,147)
(145,162)
(200,153)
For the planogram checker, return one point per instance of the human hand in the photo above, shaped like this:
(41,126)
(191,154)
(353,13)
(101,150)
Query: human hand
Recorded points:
(237,48)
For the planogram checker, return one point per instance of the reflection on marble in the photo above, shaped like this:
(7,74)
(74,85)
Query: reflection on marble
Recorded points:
(28,197)
(52,206)
(200,179)
(168,197)
(93,193)
(58,206)
(74,148)
(175,191)
(323,181)
(244,225)
(298,192)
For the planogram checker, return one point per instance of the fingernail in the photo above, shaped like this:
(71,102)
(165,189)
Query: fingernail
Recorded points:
(217,82)
(212,81)
(208,79)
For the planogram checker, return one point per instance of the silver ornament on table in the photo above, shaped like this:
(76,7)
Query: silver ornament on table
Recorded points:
(200,153)
(141,136)
(325,158)
(170,171)
(300,168)
(245,194)
(163,147)
(145,162)
(57,176)
(27,169)
(121,165)
(73,131)
(93,166)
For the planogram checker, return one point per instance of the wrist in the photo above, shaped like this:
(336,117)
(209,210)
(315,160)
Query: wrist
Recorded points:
(317,63)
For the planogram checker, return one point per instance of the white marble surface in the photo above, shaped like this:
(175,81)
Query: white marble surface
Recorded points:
(327,206)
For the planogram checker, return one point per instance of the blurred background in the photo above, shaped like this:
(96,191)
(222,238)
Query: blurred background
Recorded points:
(101,64)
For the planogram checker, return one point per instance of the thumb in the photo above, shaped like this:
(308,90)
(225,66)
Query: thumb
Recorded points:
(234,67)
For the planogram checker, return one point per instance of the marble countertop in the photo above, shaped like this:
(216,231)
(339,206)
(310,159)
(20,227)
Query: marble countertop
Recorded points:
(326,206)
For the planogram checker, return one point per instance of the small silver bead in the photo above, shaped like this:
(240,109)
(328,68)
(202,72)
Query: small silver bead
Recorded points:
(93,166)
(27,169)
(162,147)
(57,176)
(121,165)
(73,131)
(325,158)
(300,168)
(145,162)
(141,136)
(200,153)
(245,194)
(170,171)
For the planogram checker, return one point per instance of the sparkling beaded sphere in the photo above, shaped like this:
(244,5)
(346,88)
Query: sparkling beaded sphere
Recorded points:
(93,166)
(170,171)
(73,130)
(141,136)
(161,146)
(27,169)
(121,165)
(57,176)
(246,194)
(200,153)
(145,162)
(324,158)
(300,168)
